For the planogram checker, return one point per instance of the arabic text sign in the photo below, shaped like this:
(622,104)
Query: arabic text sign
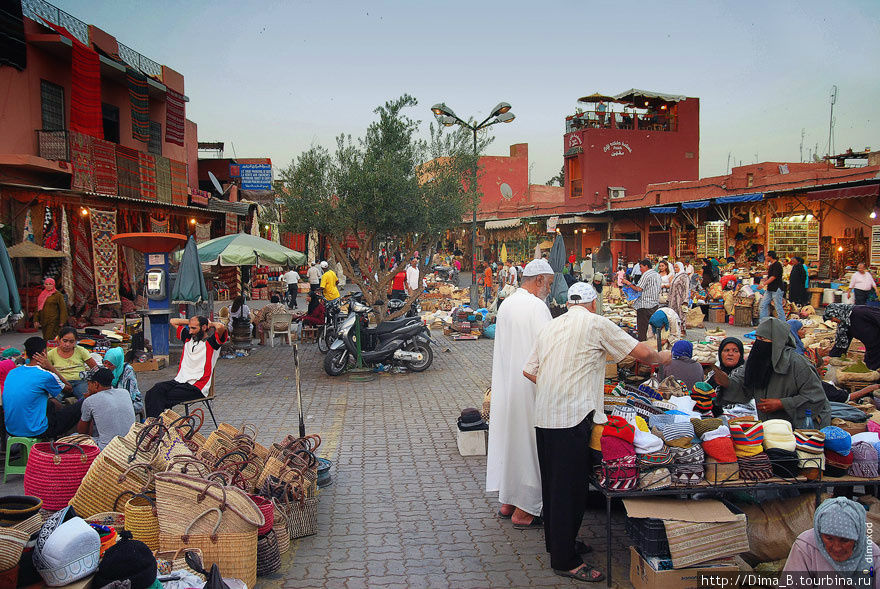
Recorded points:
(256,176)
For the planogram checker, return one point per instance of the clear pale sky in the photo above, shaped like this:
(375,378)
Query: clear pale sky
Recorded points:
(274,77)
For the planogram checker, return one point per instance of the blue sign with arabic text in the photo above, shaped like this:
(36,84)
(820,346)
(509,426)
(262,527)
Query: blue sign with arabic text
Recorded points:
(256,176)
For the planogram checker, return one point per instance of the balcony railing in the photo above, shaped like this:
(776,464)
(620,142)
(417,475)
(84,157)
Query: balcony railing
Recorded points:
(658,121)
(53,145)
(40,10)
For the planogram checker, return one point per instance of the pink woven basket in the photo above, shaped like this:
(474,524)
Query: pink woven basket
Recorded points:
(268,510)
(54,472)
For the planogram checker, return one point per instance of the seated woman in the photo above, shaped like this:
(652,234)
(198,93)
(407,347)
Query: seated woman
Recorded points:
(238,310)
(797,332)
(683,367)
(315,316)
(69,360)
(836,544)
(731,355)
(124,377)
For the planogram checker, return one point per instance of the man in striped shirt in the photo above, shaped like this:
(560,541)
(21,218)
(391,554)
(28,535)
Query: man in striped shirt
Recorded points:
(568,366)
(649,297)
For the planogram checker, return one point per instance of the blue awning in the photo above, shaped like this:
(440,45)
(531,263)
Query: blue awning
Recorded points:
(663,210)
(754,197)
(696,204)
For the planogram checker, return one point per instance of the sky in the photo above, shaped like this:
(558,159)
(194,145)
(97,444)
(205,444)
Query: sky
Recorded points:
(272,78)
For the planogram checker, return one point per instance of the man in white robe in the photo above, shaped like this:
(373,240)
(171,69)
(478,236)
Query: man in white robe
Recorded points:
(512,462)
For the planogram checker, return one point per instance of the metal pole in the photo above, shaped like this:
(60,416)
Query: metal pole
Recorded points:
(475,302)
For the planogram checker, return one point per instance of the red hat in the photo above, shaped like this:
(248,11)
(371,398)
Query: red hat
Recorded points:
(618,427)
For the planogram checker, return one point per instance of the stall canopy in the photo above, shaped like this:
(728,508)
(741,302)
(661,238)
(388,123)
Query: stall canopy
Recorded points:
(28,249)
(503,223)
(695,204)
(241,249)
(851,192)
(663,210)
(190,284)
(753,197)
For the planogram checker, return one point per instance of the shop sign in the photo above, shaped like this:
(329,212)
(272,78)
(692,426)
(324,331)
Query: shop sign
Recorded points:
(574,140)
(617,148)
(256,176)
(551,224)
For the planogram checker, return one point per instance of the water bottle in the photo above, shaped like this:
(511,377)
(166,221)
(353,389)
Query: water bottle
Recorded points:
(808,420)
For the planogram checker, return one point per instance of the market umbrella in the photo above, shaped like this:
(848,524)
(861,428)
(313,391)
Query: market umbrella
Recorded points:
(10,304)
(190,284)
(559,290)
(503,254)
(241,249)
(596,97)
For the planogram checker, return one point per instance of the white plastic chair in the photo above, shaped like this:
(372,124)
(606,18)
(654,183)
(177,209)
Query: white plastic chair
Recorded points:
(280,326)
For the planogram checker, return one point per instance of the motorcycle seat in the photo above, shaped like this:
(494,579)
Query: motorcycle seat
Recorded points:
(389,326)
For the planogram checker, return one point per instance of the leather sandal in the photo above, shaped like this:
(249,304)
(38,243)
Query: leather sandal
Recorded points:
(585,573)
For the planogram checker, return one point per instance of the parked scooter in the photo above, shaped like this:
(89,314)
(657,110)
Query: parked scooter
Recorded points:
(395,305)
(333,317)
(403,342)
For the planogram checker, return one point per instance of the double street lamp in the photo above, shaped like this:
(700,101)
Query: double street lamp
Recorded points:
(446,117)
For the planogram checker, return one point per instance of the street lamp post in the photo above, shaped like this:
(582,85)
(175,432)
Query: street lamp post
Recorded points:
(446,117)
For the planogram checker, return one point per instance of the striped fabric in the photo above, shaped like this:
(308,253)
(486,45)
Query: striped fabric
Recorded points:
(810,441)
(755,468)
(175,117)
(163,179)
(650,284)
(139,100)
(104,157)
(662,457)
(147,168)
(703,395)
(128,172)
(179,194)
(654,479)
(674,431)
(693,543)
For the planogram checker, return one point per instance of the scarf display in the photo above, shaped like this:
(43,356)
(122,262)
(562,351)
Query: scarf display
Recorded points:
(138,97)
(843,518)
(48,291)
(843,312)
(175,117)
(864,461)
(83,287)
(66,263)
(50,231)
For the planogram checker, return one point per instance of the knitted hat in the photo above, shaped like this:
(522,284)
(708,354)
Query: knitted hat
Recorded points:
(837,440)
(691,455)
(784,462)
(837,465)
(682,349)
(870,437)
(614,448)
(644,408)
(660,458)
(642,424)
(649,391)
(619,475)
(127,560)
(627,412)
(687,465)
(702,426)
(618,427)
(778,434)
(721,449)
(674,431)
(755,468)
(720,432)
(658,478)
(721,471)
(646,442)
(659,421)
(864,461)
(703,395)
(810,450)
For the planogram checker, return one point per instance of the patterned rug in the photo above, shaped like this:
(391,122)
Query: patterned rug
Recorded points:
(84,278)
(158,225)
(104,154)
(67,265)
(128,172)
(140,104)
(147,169)
(85,94)
(203,232)
(105,256)
(81,162)
(231,223)
(163,179)
(179,194)
(175,117)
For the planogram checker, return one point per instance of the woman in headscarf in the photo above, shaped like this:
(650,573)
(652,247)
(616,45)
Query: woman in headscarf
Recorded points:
(51,310)
(837,543)
(731,355)
(783,383)
(708,273)
(797,282)
(679,289)
(683,367)
(664,323)
(855,321)
(797,330)
(124,377)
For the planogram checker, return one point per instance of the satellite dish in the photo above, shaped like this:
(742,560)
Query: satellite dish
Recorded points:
(216,184)
(506,191)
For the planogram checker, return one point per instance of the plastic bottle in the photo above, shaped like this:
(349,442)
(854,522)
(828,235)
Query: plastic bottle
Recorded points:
(808,420)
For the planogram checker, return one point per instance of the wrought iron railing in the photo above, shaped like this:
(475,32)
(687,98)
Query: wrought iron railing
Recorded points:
(53,145)
(40,10)
(658,121)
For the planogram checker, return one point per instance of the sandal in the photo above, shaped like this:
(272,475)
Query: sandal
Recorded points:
(584,573)
(503,516)
(536,522)
(582,547)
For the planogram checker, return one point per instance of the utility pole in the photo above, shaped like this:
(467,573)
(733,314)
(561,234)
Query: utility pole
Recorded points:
(831,120)
(803,130)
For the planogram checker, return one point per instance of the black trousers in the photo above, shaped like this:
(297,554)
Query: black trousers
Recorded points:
(292,290)
(564,459)
(61,421)
(165,395)
(861,296)
(643,316)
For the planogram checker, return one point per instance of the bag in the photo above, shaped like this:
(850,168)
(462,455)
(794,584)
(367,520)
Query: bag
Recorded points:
(105,481)
(281,526)
(268,554)
(773,526)
(694,318)
(54,472)
(268,509)
(142,520)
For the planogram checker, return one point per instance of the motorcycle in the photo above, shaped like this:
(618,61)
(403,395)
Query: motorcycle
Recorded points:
(415,310)
(405,342)
(333,317)
(447,273)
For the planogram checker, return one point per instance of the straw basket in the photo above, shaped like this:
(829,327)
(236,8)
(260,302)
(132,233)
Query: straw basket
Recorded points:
(268,509)
(54,472)
(12,543)
(187,426)
(17,508)
(141,519)
(175,560)
(304,517)
(281,527)
(105,481)
(268,554)
(234,552)
(81,439)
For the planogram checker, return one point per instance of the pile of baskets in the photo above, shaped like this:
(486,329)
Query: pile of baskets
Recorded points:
(223,496)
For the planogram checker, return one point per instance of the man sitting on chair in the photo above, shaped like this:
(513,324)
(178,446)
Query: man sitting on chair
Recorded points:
(201,347)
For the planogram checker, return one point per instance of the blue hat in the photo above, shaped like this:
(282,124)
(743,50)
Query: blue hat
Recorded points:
(682,349)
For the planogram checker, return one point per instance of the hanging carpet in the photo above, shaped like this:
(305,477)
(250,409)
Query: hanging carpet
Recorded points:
(147,168)
(66,265)
(179,194)
(175,117)
(128,172)
(140,104)
(104,155)
(163,179)
(82,162)
(105,257)
(158,225)
(84,278)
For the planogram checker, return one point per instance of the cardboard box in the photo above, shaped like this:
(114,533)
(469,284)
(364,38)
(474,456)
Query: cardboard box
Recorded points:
(698,530)
(157,363)
(643,576)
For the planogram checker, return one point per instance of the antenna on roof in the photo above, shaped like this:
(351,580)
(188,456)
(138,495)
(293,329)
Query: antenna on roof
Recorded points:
(831,120)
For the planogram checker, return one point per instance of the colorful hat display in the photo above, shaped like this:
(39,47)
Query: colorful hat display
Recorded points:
(718,472)
(658,421)
(614,448)
(704,425)
(703,395)
(66,551)
(785,463)
(864,461)
(747,435)
(837,440)
(619,475)
(755,468)
(618,427)
(719,432)
(672,432)
(837,465)
(778,434)
(810,451)
(721,449)
(641,424)
(646,442)
(662,457)
(658,478)
(596,437)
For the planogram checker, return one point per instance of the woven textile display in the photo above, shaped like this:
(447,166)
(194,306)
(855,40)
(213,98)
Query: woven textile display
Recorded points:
(128,172)
(147,172)
(179,194)
(66,264)
(203,232)
(163,179)
(85,94)
(105,256)
(158,225)
(140,104)
(175,117)
(104,155)
(231,223)
(81,162)
(83,286)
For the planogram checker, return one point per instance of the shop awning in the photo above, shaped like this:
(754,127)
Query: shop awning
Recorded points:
(663,210)
(695,204)
(575,219)
(503,223)
(851,192)
(753,197)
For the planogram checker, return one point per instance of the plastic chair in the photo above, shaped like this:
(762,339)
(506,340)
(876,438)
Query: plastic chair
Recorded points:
(280,326)
(19,466)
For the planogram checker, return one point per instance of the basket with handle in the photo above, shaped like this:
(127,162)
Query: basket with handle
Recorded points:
(142,519)
(188,426)
(268,508)
(180,497)
(302,511)
(244,466)
(281,526)
(268,553)
(175,560)
(188,465)
(54,472)
(231,547)
(105,481)
(12,543)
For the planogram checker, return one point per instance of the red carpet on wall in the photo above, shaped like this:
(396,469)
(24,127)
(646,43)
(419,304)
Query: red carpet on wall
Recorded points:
(81,162)
(175,117)
(179,193)
(83,276)
(104,155)
(85,92)
(147,168)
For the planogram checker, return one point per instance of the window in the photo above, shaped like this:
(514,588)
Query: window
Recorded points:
(111,122)
(154,145)
(52,104)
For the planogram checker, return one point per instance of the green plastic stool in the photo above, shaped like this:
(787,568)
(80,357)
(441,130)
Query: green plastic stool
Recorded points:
(21,463)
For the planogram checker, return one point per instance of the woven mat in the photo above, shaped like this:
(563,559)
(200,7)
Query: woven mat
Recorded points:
(179,194)
(140,104)
(84,278)
(104,252)
(81,162)
(175,117)
(104,154)
(231,223)
(147,169)
(163,179)
(158,225)
(128,172)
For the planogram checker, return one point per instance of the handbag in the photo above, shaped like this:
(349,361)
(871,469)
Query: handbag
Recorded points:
(54,472)
(268,554)
(142,519)
(105,481)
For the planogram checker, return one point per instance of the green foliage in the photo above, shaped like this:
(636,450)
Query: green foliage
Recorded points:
(558,179)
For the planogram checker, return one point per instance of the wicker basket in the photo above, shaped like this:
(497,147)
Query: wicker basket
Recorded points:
(141,519)
(105,481)
(54,472)
(304,517)
(742,316)
(268,554)
(281,527)
(12,543)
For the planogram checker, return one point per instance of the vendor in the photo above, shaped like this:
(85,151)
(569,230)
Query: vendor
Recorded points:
(69,360)
(665,325)
(51,310)
(861,284)
(855,321)
(837,543)
(683,367)
(731,355)
(783,383)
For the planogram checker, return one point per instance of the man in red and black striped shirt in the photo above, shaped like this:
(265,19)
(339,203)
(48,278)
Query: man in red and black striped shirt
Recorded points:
(201,348)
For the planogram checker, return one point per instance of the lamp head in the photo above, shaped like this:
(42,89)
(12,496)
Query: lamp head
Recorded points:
(441,109)
(500,108)
(505,117)
(446,120)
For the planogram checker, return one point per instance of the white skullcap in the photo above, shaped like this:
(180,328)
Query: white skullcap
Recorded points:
(583,290)
(537,267)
